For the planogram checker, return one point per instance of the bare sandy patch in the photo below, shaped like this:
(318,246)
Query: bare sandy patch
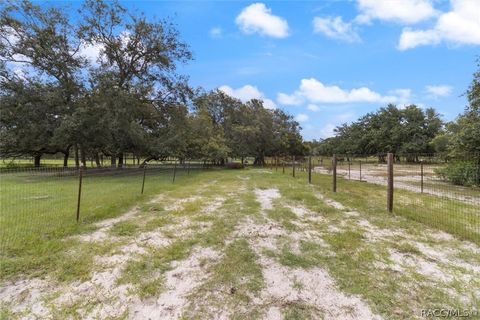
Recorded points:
(185,276)
(266,196)
(313,287)
(330,202)
(214,205)
(25,296)
(178,203)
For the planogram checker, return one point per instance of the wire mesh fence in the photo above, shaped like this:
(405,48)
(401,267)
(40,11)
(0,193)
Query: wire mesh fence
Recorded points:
(39,203)
(439,191)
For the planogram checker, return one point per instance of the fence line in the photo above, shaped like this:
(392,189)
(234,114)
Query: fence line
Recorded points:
(35,202)
(439,191)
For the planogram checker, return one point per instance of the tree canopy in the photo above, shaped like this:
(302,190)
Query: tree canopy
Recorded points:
(126,98)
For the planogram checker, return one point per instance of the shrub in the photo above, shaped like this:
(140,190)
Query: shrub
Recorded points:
(462,173)
(234,165)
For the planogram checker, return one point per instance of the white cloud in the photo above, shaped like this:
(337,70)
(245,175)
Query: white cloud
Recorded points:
(257,18)
(401,11)
(327,131)
(301,117)
(403,95)
(289,100)
(248,92)
(215,32)
(459,26)
(410,39)
(314,91)
(335,28)
(439,91)
(90,51)
(269,104)
(313,107)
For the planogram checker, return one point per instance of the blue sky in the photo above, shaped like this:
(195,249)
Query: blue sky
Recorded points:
(330,62)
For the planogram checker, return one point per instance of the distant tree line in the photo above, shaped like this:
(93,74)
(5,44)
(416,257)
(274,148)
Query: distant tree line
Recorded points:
(410,131)
(56,97)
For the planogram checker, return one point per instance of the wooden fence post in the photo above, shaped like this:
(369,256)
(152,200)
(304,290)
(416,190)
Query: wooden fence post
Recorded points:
(310,169)
(390,182)
(188,167)
(334,172)
(144,172)
(293,166)
(283,165)
(80,178)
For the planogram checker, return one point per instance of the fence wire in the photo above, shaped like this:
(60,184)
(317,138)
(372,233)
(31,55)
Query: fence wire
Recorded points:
(440,191)
(39,203)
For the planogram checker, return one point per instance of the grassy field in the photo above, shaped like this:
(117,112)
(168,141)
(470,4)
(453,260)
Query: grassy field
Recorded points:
(39,210)
(232,244)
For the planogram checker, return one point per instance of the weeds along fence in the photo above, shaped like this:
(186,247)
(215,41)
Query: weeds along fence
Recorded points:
(39,203)
(439,191)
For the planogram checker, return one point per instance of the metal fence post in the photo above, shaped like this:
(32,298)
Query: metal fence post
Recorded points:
(310,169)
(144,172)
(390,182)
(293,166)
(334,172)
(80,177)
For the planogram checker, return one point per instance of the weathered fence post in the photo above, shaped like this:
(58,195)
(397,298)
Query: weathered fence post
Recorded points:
(390,182)
(283,165)
(174,171)
(334,172)
(80,177)
(421,176)
(310,169)
(144,173)
(293,166)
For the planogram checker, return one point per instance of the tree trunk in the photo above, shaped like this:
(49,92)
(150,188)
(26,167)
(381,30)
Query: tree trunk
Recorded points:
(77,161)
(113,161)
(65,157)
(259,160)
(36,160)
(120,160)
(97,160)
(83,157)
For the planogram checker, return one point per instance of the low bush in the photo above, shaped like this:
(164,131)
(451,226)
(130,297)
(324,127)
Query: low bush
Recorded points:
(462,173)
(234,165)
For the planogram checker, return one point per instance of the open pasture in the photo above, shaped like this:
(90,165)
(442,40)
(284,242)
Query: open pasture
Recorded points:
(232,244)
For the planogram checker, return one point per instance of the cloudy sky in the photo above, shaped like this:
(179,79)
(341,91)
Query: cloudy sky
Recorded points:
(329,62)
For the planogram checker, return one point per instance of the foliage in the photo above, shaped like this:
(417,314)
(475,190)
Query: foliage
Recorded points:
(127,99)
(234,165)
(390,129)
(462,173)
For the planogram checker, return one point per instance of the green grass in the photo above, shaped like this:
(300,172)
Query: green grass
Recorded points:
(38,212)
(456,217)
(232,279)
